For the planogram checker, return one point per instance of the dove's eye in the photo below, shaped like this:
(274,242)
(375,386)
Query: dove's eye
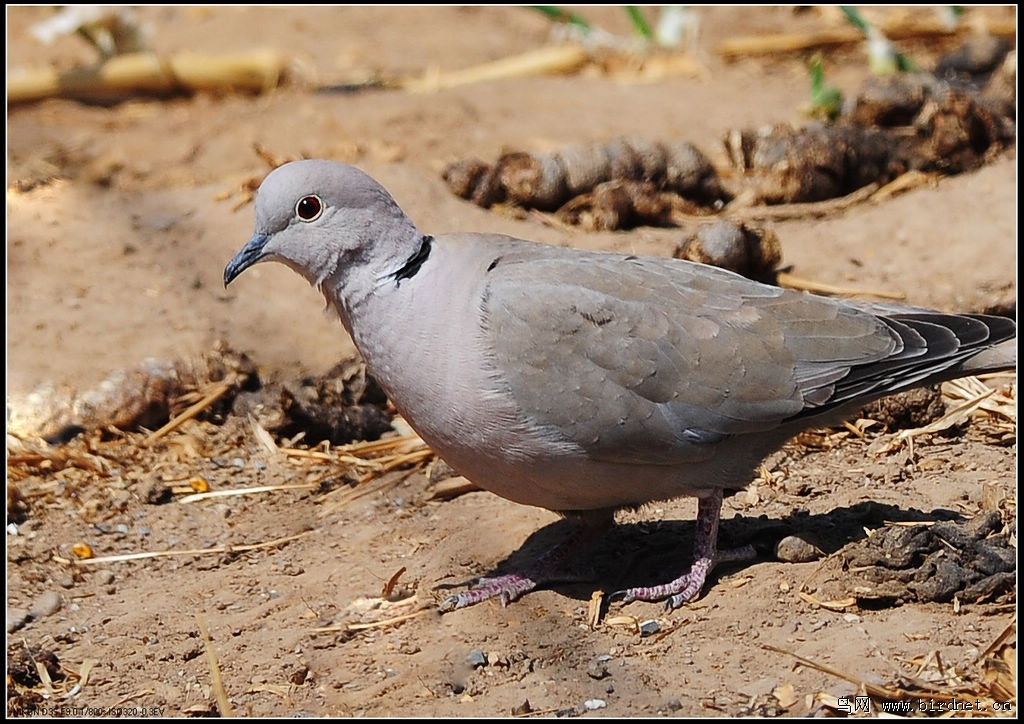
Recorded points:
(309,208)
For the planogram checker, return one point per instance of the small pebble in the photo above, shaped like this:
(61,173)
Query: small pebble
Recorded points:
(598,668)
(16,619)
(522,709)
(649,627)
(592,704)
(760,688)
(792,549)
(476,658)
(46,604)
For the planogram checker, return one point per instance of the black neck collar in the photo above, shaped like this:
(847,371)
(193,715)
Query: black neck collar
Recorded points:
(413,264)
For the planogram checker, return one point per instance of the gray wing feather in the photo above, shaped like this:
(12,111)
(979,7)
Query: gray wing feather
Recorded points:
(655,360)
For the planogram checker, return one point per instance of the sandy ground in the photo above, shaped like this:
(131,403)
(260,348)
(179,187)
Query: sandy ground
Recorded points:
(116,241)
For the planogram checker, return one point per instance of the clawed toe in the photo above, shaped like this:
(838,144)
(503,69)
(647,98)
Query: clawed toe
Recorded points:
(506,588)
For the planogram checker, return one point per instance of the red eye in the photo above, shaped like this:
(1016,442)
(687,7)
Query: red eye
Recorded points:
(309,208)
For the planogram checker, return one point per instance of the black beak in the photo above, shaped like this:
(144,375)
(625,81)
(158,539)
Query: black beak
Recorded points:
(248,255)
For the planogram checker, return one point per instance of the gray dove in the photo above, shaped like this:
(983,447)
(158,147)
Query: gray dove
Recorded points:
(586,381)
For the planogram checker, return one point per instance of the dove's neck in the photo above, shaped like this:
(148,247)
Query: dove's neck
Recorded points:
(410,267)
(384,257)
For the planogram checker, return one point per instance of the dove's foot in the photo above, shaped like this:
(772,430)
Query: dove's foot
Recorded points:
(706,557)
(688,586)
(507,588)
(548,568)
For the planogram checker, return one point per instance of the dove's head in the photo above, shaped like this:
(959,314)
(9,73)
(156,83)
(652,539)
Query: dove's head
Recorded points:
(327,221)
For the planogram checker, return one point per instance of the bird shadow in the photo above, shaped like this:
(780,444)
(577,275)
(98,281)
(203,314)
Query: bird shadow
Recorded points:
(650,553)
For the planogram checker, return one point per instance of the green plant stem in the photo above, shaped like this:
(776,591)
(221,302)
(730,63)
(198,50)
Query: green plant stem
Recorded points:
(640,23)
(561,15)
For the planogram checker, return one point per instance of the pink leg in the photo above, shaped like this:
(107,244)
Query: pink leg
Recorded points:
(546,569)
(706,556)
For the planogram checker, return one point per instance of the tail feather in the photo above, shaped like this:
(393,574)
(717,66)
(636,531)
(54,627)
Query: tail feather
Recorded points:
(935,347)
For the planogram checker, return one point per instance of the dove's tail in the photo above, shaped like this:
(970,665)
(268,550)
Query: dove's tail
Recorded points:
(935,347)
(939,347)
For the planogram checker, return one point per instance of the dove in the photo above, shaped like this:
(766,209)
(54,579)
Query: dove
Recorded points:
(586,382)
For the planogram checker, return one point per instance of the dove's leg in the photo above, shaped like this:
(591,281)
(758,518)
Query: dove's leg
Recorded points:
(706,556)
(549,568)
